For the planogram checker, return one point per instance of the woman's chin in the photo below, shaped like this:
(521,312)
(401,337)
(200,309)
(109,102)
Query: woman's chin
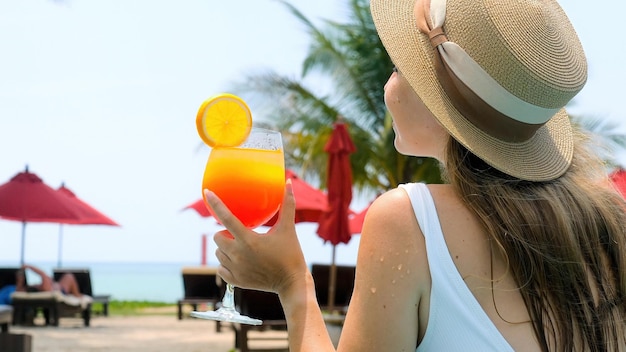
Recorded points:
(398,145)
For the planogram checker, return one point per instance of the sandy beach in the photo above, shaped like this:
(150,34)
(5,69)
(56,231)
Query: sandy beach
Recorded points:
(142,333)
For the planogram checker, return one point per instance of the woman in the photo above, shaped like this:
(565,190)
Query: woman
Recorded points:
(523,249)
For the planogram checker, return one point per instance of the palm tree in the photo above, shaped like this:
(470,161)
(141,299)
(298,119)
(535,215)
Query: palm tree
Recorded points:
(352,61)
(604,136)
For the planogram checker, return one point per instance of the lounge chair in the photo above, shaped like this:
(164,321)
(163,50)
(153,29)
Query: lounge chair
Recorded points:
(260,305)
(344,285)
(7,276)
(55,305)
(83,278)
(6,317)
(10,341)
(201,285)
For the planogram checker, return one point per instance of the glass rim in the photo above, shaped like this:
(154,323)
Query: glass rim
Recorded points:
(262,129)
(262,138)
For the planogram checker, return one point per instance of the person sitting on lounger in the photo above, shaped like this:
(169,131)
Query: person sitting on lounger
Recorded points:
(66,284)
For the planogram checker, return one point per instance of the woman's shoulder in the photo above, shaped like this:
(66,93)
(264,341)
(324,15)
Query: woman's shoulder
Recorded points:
(395,204)
(392,250)
(390,224)
(390,206)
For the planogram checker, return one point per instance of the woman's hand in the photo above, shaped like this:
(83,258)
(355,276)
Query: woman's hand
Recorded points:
(267,262)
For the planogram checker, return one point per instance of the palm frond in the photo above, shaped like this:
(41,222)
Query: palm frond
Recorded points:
(350,58)
(605,135)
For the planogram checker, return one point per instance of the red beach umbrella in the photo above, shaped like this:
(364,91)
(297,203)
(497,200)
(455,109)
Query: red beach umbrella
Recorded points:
(199,207)
(618,177)
(355,223)
(87,215)
(26,198)
(310,201)
(333,224)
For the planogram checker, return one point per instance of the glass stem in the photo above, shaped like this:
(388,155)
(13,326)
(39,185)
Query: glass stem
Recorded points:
(228,301)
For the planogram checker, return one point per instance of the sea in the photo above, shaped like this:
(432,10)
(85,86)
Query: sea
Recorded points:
(155,282)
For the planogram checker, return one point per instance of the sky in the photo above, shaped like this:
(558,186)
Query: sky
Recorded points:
(102,94)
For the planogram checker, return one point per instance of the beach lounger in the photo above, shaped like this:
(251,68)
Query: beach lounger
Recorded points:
(7,276)
(6,317)
(10,341)
(54,306)
(344,285)
(83,278)
(201,285)
(260,305)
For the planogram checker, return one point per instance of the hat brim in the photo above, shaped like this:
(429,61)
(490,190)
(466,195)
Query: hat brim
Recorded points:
(545,156)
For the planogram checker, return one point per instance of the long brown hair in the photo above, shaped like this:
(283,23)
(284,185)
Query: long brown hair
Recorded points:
(565,241)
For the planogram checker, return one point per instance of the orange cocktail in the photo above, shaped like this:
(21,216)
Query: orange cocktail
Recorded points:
(246,170)
(250,180)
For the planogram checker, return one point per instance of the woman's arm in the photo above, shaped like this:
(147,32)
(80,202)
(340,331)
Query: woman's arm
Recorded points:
(46,281)
(305,324)
(390,279)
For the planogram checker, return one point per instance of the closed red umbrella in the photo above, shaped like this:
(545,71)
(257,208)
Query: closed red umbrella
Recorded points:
(333,224)
(86,215)
(26,198)
(310,201)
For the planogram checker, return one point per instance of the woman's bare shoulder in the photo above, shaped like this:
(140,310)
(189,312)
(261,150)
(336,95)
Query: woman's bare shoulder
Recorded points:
(391,210)
(390,230)
(395,204)
(390,278)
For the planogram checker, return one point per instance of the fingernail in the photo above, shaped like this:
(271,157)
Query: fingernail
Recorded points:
(209,195)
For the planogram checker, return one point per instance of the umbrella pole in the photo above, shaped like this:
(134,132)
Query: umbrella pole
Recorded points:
(332,279)
(203,254)
(23,237)
(60,244)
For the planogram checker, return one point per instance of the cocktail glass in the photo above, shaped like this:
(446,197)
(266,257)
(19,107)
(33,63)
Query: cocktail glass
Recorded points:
(250,180)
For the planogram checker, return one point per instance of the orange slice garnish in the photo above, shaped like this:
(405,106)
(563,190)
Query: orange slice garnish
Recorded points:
(224,120)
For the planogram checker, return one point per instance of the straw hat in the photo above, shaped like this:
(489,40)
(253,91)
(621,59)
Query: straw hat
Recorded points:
(496,74)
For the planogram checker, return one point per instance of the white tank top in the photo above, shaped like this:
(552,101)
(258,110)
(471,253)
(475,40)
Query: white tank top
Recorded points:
(456,321)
